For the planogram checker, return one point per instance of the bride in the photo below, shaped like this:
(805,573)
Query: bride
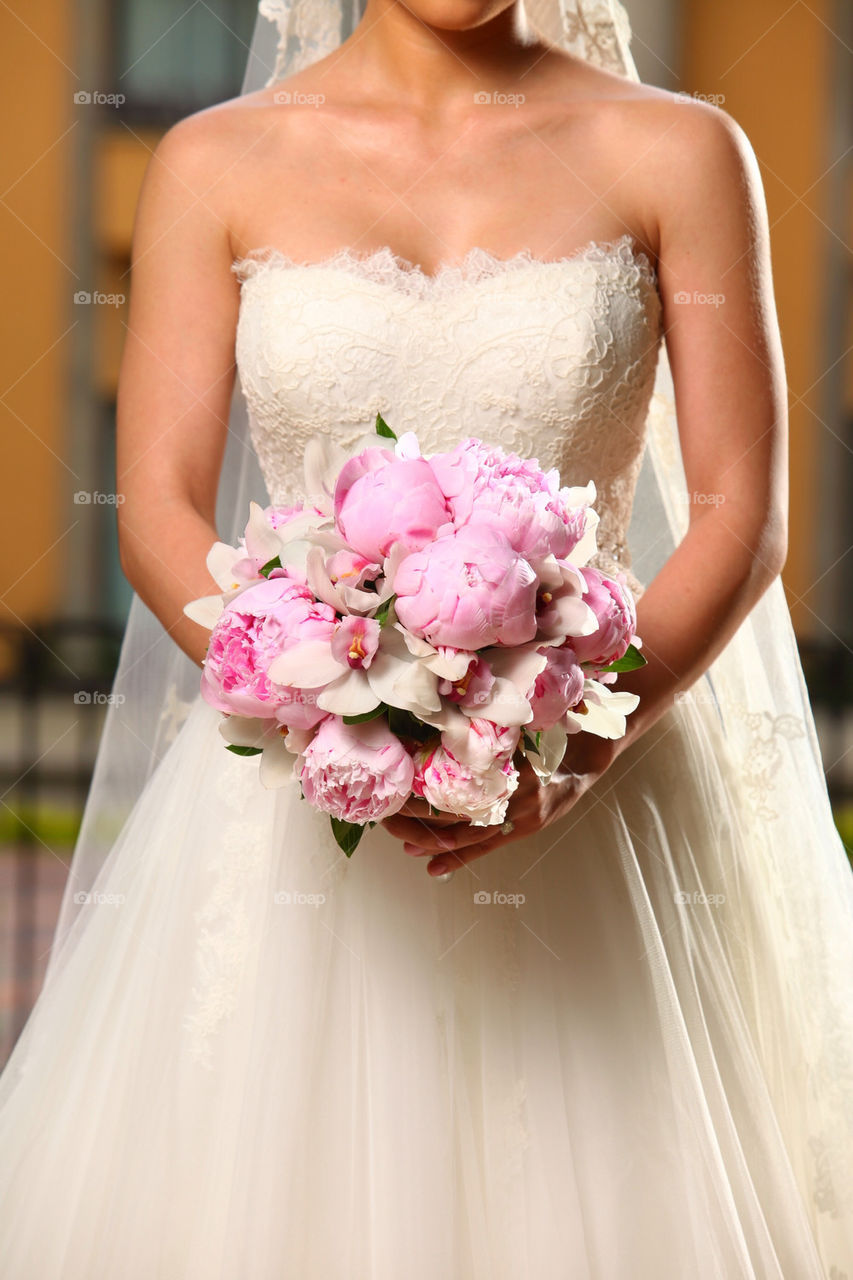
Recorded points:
(616,1036)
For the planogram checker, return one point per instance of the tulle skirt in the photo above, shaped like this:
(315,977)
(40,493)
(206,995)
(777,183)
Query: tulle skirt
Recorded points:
(620,1048)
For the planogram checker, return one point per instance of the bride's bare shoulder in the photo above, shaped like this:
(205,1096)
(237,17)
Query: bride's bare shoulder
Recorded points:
(211,137)
(614,98)
(213,155)
(671,139)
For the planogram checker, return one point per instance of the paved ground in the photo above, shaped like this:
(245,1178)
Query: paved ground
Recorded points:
(31,884)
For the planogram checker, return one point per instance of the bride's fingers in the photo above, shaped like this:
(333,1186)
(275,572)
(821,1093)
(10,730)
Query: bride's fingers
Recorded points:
(421,837)
(458,840)
(417,808)
(461,857)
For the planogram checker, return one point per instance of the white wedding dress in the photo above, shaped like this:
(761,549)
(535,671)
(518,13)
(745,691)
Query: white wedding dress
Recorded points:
(260,1059)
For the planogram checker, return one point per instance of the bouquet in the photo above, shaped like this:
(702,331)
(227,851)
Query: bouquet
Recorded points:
(415,628)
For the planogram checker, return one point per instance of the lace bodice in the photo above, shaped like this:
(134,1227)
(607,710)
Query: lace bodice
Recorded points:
(551,359)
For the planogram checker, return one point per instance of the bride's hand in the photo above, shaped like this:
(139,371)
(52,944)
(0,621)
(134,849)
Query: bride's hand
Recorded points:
(451,843)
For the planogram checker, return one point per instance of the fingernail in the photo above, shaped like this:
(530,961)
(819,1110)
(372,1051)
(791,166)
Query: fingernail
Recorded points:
(438,867)
(413,850)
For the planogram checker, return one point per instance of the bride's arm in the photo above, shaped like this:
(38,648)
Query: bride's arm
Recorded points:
(727,367)
(176,379)
(730,390)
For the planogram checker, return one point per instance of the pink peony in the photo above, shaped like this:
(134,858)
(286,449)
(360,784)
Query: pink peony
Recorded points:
(556,689)
(613,605)
(359,773)
(480,743)
(480,795)
(381,500)
(467,590)
(486,485)
(256,626)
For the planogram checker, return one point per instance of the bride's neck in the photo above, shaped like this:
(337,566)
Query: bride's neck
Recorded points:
(426,66)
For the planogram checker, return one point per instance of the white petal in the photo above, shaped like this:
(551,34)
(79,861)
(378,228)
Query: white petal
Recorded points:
(606,710)
(395,557)
(308,526)
(262,541)
(548,571)
(450,664)
(308,665)
(323,461)
(552,748)
(207,610)
(579,495)
(504,706)
(414,645)
(351,695)
(277,763)
(220,559)
(320,582)
(572,577)
(521,665)
(354,600)
(298,740)
(294,554)
(407,446)
(455,728)
(404,684)
(244,731)
(575,616)
(588,545)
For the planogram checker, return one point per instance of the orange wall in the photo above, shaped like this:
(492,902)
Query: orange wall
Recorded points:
(36,107)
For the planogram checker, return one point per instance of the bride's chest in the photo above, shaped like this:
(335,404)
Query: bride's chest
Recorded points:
(522,338)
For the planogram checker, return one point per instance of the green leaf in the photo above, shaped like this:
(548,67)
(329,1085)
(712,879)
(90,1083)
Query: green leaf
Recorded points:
(630,662)
(528,741)
(405,725)
(383,613)
(347,834)
(243,751)
(366,715)
(275,563)
(382,428)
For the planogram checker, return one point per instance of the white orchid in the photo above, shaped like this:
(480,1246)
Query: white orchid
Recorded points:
(602,712)
(392,674)
(279,745)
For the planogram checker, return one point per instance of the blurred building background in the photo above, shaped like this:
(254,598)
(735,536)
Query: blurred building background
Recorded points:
(87,89)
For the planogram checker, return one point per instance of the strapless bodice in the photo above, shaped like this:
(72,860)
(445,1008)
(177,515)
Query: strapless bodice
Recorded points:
(553,359)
